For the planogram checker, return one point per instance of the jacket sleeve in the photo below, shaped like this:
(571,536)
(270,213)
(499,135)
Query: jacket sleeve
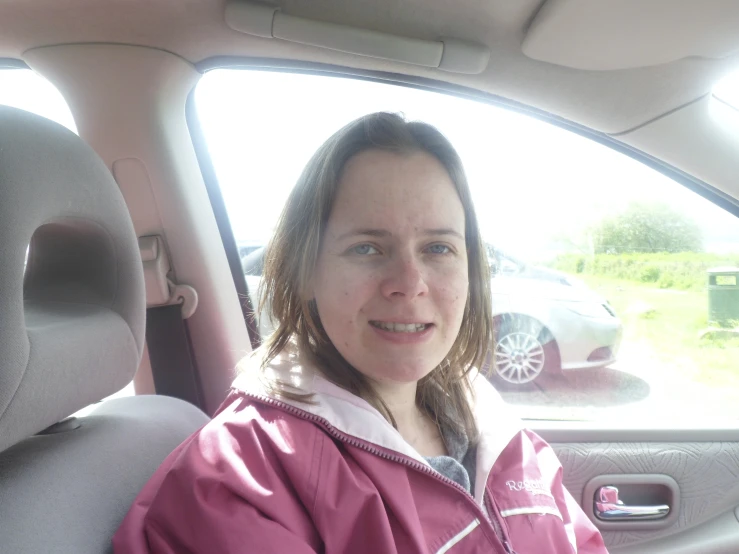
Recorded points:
(588,539)
(240,485)
(583,535)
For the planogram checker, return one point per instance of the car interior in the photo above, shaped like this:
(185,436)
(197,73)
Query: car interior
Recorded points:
(124,304)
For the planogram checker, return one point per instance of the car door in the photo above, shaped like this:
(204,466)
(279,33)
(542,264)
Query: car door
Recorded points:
(634,369)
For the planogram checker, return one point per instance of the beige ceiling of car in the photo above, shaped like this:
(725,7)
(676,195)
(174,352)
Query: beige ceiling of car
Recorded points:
(624,34)
(610,101)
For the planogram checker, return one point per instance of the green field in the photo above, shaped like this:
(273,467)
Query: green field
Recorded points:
(680,271)
(669,322)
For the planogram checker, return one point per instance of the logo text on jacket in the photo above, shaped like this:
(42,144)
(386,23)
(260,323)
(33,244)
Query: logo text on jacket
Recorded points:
(533,486)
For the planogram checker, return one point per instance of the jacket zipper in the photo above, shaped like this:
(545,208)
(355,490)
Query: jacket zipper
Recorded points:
(492,518)
(496,524)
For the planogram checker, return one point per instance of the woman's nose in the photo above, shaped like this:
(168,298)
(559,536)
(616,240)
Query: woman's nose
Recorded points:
(405,278)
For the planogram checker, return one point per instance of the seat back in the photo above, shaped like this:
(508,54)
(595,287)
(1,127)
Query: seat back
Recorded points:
(71,333)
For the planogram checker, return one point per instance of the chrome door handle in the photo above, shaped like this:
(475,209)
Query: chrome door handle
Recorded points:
(609,508)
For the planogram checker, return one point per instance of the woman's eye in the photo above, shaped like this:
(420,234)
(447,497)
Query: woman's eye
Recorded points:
(365,250)
(438,249)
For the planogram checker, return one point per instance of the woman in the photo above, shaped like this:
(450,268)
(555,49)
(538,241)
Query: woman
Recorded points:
(362,426)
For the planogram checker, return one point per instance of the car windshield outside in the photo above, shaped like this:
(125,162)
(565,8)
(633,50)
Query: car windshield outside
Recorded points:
(614,286)
(27,90)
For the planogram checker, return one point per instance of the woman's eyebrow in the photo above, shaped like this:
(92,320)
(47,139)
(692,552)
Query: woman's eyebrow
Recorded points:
(445,231)
(382,233)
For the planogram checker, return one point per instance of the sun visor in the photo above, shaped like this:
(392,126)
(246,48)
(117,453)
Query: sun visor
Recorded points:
(623,34)
(447,54)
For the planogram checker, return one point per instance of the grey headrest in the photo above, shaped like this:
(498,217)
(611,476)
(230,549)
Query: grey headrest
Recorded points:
(72,331)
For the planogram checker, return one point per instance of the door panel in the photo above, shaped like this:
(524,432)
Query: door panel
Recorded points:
(707,474)
(719,535)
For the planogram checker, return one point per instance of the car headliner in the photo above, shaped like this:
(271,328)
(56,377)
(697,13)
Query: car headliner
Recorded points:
(611,101)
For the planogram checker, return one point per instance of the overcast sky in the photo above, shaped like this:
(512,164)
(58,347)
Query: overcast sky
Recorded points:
(530,180)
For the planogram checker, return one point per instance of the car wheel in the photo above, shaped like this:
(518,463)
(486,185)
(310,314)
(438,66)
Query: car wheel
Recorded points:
(524,350)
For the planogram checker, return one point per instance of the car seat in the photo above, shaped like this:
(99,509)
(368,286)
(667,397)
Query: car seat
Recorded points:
(72,318)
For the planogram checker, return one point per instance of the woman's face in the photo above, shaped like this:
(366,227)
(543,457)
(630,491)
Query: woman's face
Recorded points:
(391,278)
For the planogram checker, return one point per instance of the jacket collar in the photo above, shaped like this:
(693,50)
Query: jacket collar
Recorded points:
(353,416)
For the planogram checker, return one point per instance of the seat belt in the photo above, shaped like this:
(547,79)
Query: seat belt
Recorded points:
(170,354)
(167,337)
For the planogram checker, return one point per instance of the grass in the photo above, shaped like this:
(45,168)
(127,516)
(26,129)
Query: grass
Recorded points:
(669,322)
(680,271)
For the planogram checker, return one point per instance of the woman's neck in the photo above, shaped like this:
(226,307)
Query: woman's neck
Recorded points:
(413,423)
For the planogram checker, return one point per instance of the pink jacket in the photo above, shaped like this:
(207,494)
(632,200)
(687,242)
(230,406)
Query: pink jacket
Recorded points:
(275,476)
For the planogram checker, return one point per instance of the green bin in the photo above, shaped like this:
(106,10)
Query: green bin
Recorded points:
(723,295)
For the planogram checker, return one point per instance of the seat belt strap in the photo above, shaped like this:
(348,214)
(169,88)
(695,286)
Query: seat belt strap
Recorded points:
(170,354)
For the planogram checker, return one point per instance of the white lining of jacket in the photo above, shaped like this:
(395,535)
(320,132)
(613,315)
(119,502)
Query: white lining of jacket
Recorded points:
(354,416)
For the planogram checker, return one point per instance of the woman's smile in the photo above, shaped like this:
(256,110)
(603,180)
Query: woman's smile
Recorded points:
(403,333)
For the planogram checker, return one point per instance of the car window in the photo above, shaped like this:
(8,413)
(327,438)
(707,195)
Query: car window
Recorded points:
(27,90)
(614,287)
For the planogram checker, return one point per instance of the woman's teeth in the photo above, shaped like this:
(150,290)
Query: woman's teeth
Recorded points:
(399,327)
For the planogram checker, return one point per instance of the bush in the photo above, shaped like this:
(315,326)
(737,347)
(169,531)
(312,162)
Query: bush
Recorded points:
(649,274)
(679,271)
(666,282)
(648,227)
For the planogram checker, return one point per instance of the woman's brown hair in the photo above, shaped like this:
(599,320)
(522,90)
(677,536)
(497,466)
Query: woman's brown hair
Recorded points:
(291,258)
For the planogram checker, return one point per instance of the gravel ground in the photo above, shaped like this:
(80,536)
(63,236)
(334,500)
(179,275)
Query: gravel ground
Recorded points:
(636,387)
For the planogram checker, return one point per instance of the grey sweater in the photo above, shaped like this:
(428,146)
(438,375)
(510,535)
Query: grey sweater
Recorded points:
(459,466)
